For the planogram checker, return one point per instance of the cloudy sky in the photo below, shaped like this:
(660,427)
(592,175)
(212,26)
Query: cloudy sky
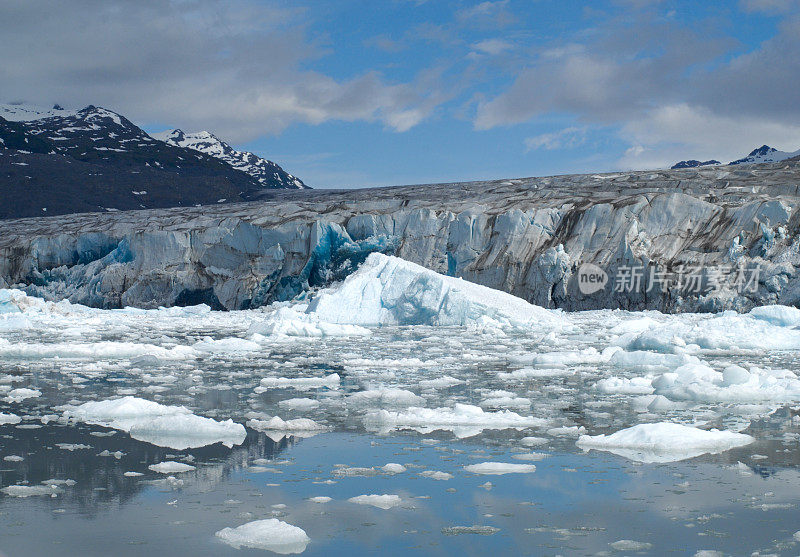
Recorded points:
(377,92)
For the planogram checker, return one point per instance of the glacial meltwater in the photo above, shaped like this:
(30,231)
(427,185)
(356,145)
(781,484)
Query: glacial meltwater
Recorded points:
(400,412)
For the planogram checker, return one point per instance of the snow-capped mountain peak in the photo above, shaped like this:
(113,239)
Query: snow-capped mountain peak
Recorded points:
(23,112)
(266,172)
(765,153)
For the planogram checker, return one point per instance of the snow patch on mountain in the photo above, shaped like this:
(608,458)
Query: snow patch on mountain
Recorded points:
(266,172)
(765,153)
(23,112)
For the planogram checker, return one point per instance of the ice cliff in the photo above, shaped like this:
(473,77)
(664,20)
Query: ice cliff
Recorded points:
(528,237)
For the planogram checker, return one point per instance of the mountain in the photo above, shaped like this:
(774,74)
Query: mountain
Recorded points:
(765,153)
(267,173)
(693,164)
(57,161)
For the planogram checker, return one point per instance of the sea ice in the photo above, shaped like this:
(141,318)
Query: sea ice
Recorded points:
(463,420)
(171,467)
(32,490)
(9,419)
(381,501)
(270,534)
(18,395)
(299,383)
(387,290)
(664,442)
(166,426)
(499,468)
(289,322)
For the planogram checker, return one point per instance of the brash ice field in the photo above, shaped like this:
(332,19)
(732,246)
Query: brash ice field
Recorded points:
(398,409)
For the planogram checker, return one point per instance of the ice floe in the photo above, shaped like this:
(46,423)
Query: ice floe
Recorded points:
(463,420)
(299,383)
(270,534)
(170,467)
(166,426)
(385,501)
(499,468)
(664,442)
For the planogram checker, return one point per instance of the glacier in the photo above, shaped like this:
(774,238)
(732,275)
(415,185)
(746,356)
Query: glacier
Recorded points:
(528,237)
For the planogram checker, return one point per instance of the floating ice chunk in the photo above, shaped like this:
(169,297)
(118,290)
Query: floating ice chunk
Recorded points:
(533,441)
(440,382)
(783,316)
(188,431)
(709,553)
(630,545)
(530,457)
(270,534)
(661,403)
(698,382)
(436,475)
(299,404)
(527,373)
(226,345)
(385,396)
(72,446)
(463,420)
(625,385)
(291,323)
(506,402)
(499,468)
(166,426)
(9,419)
(393,468)
(299,383)
(381,501)
(297,425)
(13,458)
(320,499)
(566,431)
(95,350)
(475,529)
(32,490)
(18,395)
(170,467)
(387,290)
(132,474)
(664,442)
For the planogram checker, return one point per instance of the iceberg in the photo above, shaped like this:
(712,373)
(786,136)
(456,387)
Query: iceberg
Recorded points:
(387,290)
(166,426)
(664,442)
(270,534)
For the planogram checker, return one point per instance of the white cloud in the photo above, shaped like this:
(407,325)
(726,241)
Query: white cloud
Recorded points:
(568,138)
(240,71)
(492,47)
(665,135)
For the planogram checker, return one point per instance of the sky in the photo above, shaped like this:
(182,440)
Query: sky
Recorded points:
(356,93)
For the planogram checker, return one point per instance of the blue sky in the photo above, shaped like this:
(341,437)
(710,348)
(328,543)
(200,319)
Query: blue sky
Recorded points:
(355,93)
